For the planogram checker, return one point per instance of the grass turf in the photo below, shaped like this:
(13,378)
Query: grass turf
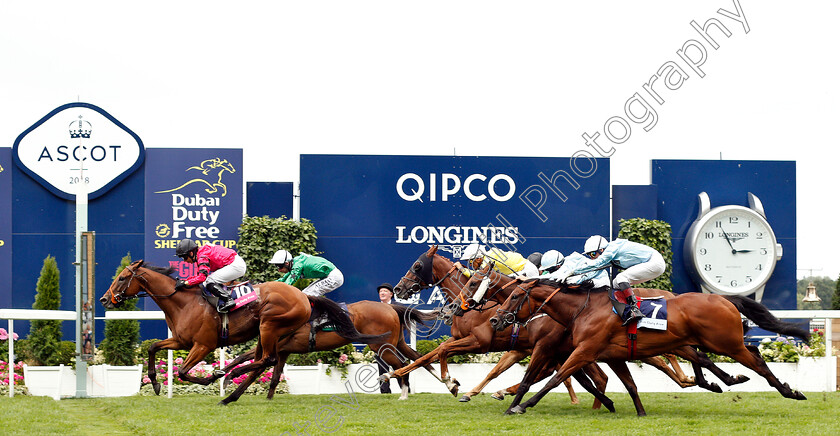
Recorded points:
(700,413)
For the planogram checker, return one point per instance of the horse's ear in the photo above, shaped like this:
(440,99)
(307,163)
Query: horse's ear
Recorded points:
(432,251)
(137,262)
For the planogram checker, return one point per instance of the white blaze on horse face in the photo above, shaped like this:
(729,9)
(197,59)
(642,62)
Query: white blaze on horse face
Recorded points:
(482,289)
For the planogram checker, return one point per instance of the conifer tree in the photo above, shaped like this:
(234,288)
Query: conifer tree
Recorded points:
(44,340)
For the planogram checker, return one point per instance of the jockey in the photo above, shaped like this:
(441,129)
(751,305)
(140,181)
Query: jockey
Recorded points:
(639,262)
(551,261)
(535,258)
(509,263)
(217,265)
(305,266)
(600,278)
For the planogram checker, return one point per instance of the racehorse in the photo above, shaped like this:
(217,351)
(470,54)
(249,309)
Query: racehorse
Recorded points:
(371,317)
(710,321)
(471,332)
(544,356)
(197,326)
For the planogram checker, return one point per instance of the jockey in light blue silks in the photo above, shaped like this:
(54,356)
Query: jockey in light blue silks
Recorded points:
(639,263)
(600,278)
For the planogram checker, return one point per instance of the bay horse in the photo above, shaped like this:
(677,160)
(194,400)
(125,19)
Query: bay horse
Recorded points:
(471,332)
(197,326)
(371,317)
(710,321)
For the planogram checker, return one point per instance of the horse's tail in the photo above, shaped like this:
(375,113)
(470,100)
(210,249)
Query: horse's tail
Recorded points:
(343,324)
(762,317)
(411,314)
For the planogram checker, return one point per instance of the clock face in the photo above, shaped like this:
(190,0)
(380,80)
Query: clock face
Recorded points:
(734,250)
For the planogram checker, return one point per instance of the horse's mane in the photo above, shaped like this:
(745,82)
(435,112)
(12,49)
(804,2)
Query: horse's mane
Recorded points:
(159,269)
(585,286)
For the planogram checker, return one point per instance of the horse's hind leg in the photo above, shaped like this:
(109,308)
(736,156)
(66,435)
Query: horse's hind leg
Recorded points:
(506,361)
(751,358)
(275,376)
(699,360)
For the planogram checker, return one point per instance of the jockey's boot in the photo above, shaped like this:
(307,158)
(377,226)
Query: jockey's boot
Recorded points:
(225,301)
(633,313)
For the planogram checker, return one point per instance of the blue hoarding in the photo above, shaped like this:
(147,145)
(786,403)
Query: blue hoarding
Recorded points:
(376,214)
(195,194)
(728,182)
(5,225)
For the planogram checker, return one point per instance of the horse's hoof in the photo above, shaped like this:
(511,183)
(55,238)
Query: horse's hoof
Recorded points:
(219,373)
(403,397)
(609,406)
(384,378)
(508,412)
(156,386)
(518,410)
(715,388)
(798,396)
(740,378)
(497,396)
(464,399)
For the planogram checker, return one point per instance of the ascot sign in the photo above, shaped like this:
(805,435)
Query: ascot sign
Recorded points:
(78,148)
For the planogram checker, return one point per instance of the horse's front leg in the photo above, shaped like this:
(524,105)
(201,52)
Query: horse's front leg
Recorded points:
(197,352)
(469,344)
(166,344)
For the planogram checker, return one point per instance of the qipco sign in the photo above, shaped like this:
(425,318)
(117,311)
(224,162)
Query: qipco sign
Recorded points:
(78,148)
(434,187)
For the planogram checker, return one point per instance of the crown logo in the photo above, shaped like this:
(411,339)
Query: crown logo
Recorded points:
(79,129)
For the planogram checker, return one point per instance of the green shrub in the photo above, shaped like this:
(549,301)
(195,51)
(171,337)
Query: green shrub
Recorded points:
(260,237)
(835,302)
(657,235)
(121,335)
(44,344)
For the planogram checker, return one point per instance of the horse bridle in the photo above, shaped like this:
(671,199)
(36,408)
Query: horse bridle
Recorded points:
(119,298)
(417,284)
(509,317)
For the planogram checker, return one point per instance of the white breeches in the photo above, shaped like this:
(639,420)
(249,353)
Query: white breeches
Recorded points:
(642,272)
(327,284)
(227,273)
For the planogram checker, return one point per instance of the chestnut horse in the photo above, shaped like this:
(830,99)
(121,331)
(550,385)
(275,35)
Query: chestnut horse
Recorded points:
(197,326)
(710,321)
(472,333)
(546,356)
(372,317)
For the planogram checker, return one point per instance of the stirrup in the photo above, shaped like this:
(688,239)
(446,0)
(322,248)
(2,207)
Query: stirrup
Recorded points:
(230,304)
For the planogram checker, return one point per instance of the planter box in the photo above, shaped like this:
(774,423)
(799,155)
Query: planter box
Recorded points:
(809,375)
(102,380)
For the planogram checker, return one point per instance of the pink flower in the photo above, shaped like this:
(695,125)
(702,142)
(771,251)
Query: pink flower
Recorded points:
(342,358)
(3,334)
(146,380)
(179,361)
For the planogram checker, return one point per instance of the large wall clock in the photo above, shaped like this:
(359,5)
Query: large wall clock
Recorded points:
(731,250)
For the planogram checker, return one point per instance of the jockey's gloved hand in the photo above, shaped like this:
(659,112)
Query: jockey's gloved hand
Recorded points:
(180,284)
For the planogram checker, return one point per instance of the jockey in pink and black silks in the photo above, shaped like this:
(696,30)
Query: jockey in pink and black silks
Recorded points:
(217,265)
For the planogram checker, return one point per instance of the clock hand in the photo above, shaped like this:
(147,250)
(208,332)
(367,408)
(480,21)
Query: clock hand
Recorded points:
(742,251)
(728,241)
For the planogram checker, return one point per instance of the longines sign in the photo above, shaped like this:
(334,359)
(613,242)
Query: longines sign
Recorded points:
(78,147)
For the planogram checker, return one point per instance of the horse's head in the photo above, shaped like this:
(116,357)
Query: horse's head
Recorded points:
(518,307)
(419,276)
(127,285)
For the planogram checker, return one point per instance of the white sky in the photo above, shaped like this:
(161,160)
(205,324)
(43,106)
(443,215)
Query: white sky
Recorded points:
(496,78)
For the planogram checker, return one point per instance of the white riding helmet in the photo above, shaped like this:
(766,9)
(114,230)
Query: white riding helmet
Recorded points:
(472,251)
(594,243)
(280,257)
(551,258)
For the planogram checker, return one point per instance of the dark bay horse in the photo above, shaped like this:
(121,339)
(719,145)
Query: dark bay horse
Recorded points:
(370,317)
(471,332)
(712,322)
